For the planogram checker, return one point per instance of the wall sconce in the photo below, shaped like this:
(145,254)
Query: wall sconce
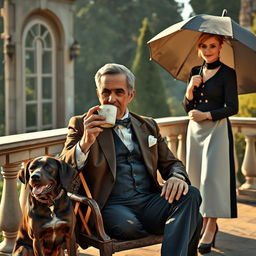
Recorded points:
(10,47)
(74,50)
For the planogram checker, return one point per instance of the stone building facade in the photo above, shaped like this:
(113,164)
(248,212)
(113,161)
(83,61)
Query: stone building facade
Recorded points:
(247,12)
(39,71)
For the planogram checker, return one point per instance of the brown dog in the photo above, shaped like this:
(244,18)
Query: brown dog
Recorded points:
(48,219)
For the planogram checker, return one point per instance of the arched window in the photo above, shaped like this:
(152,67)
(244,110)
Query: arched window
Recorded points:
(39,59)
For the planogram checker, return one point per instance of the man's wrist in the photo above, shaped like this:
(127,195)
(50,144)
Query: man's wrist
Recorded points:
(179,176)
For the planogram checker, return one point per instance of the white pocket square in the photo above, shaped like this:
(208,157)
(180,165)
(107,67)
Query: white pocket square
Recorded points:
(151,140)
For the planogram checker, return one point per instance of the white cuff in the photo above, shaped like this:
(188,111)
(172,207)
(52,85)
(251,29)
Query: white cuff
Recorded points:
(80,156)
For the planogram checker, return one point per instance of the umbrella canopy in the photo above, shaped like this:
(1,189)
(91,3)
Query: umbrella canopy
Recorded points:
(175,48)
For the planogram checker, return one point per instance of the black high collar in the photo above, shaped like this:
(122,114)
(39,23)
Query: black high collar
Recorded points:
(213,65)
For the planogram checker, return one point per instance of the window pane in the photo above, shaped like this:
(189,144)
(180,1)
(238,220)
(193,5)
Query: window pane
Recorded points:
(29,40)
(35,30)
(30,62)
(31,112)
(48,41)
(31,90)
(47,62)
(43,30)
(47,88)
(47,113)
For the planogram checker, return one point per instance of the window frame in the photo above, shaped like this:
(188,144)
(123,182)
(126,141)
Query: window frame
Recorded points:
(39,75)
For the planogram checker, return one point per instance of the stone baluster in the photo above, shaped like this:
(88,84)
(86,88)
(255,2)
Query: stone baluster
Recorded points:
(10,212)
(181,152)
(249,163)
(172,143)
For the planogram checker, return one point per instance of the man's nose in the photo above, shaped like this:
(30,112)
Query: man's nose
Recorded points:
(111,98)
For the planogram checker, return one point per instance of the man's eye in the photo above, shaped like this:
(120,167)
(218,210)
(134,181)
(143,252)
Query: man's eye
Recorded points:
(105,93)
(120,92)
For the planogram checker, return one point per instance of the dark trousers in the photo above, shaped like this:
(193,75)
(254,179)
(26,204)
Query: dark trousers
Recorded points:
(179,222)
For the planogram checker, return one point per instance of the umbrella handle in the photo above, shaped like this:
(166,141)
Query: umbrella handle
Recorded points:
(201,69)
(224,13)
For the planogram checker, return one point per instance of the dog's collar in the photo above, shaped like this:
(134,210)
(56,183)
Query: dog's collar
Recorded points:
(49,201)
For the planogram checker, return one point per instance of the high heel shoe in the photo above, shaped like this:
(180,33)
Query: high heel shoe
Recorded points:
(206,248)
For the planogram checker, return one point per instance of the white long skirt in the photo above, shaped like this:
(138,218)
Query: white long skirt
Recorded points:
(210,166)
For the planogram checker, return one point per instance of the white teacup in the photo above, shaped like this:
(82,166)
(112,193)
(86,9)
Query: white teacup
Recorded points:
(109,112)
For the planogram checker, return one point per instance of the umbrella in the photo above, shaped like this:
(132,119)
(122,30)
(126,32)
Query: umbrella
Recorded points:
(175,48)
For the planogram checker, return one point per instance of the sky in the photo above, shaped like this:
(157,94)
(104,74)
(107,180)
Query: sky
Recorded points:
(187,8)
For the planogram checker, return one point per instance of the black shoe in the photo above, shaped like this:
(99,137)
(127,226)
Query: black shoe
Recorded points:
(206,248)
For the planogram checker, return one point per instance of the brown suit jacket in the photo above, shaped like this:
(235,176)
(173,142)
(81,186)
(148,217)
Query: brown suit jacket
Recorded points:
(100,167)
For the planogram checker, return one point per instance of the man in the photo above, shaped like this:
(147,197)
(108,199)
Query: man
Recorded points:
(120,166)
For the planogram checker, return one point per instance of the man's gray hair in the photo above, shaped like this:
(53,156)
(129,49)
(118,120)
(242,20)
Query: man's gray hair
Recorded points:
(113,68)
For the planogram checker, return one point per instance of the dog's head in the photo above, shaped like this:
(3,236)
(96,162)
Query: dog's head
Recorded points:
(43,174)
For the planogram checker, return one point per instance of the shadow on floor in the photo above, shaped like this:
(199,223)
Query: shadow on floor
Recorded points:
(231,245)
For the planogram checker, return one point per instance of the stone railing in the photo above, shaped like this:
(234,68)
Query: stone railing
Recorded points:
(15,149)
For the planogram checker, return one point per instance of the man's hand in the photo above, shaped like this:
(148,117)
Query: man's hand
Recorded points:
(92,123)
(197,115)
(173,189)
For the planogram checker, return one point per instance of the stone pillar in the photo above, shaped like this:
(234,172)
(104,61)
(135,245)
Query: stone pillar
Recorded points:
(181,152)
(10,212)
(172,143)
(248,189)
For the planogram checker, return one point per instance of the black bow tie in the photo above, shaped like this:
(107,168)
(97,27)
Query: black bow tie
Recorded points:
(125,122)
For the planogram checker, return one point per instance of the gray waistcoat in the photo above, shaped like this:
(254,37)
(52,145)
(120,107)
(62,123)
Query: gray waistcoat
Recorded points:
(131,175)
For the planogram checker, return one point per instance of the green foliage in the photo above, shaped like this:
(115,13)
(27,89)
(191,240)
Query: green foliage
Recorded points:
(254,24)
(247,105)
(150,99)
(214,7)
(107,32)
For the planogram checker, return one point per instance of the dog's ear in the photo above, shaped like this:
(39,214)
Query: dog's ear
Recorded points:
(24,172)
(67,174)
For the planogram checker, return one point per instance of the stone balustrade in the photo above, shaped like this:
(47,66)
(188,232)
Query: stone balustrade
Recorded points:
(15,149)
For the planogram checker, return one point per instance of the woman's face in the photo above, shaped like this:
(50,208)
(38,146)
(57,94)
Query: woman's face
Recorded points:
(210,50)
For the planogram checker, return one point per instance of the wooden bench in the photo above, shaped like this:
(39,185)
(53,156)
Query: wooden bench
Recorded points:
(98,237)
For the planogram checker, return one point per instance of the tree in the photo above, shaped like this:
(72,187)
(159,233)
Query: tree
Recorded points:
(107,32)
(214,7)
(247,108)
(247,102)
(150,99)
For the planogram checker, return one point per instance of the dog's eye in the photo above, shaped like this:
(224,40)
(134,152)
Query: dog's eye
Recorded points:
(48,168)
(32,167)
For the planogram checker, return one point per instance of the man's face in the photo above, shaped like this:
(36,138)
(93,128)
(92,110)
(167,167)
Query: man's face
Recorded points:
(114,91)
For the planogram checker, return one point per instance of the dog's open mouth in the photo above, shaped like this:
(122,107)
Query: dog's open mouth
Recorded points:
(42,190)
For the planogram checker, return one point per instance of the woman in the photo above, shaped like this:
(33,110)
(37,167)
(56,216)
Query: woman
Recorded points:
(211,97)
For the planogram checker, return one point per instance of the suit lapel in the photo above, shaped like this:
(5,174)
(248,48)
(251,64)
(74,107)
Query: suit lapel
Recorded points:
(106,142)
(142,133)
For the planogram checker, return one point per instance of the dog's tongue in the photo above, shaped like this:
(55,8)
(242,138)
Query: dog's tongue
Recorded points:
(37,190)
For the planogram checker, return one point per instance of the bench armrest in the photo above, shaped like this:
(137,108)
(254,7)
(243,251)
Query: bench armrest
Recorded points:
(96,214)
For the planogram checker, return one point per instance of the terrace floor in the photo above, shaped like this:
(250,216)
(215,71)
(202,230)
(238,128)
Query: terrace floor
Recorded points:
(237,237)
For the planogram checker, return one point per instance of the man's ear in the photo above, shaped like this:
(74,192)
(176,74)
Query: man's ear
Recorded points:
(23,173)
(132,94)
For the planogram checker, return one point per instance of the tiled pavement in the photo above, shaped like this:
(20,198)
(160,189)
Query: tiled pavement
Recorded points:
(237,237)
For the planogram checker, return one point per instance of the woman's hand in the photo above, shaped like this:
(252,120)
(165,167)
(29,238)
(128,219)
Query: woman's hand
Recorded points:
(198,116)
(195,81)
